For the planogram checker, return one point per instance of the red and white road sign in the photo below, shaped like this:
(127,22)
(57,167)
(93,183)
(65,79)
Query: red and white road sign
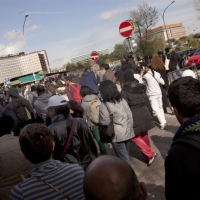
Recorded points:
(94,56)
(126,29)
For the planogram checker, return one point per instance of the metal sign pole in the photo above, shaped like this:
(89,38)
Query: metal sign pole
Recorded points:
(130,44)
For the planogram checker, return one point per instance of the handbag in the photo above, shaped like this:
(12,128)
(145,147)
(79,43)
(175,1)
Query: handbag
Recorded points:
(107,133)
(68,140)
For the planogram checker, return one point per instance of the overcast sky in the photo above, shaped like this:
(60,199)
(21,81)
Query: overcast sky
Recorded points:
(68,28)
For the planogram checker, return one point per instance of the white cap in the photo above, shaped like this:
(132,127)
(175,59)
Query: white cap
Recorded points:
(188,72)
(56,100)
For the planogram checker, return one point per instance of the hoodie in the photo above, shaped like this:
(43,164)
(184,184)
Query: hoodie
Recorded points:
(67,178)
(32,95)
(88,79)
(40,104)
(85,106)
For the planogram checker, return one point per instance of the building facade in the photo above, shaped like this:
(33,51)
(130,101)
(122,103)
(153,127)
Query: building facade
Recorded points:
(175,31)
(87,57)
(20,65)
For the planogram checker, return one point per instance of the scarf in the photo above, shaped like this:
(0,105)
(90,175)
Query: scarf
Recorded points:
(191,126)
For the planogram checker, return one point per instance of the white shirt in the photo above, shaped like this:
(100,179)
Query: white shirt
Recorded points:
(152,82)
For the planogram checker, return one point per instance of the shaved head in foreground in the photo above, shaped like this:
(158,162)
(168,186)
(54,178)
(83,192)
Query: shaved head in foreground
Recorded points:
(110,178)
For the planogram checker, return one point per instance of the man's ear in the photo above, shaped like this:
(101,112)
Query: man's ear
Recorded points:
(22,154)
(143,191)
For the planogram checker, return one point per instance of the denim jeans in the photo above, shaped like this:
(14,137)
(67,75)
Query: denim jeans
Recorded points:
(156,104)
(122,150)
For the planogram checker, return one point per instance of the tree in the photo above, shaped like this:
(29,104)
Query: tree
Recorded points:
(145,17)
(171,40)
(193,43)
(152,46)
(197,7)
(118,53)
(197,35)
(103,59)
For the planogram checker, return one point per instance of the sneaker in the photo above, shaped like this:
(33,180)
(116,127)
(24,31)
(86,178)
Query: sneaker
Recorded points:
(163,126)
(152,159)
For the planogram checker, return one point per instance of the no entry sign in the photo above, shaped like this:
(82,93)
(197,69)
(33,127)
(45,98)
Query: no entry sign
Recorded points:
(126,28)
(94,56)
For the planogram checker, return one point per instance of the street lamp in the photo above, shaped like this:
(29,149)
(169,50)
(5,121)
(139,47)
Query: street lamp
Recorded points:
(26,44)
(27,52)
(163,17)
(0,51)
(6,47)
(24,22)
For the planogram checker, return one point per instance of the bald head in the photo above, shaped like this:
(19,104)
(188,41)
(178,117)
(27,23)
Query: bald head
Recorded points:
(109,177)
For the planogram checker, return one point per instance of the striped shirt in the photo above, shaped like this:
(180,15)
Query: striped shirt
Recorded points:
(68,178)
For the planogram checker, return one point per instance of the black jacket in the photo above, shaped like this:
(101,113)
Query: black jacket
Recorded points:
(182,169)
(173,61)
(135,95)
(82,149)
(10,109)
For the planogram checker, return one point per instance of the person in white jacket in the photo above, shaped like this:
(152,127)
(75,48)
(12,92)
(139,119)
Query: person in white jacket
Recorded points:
(152,79)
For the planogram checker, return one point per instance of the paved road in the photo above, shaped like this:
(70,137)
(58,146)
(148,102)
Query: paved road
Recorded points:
(153,176)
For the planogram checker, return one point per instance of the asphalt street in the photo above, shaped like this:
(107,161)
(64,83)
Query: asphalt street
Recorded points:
(153,176)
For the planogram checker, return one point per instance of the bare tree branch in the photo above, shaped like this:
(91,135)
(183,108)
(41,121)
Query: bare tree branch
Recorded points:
(145,17)
(196,5)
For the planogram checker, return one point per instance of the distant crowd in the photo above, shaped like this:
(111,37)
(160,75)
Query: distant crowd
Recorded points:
(53,133)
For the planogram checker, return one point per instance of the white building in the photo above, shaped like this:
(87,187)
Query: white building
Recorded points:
(20,65)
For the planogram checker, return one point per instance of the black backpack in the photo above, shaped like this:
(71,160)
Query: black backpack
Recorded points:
(22,114)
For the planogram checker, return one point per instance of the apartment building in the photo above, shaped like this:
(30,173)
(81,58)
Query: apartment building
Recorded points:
(175,31)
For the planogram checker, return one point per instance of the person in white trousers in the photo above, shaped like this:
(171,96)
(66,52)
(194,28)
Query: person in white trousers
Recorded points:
(152,79)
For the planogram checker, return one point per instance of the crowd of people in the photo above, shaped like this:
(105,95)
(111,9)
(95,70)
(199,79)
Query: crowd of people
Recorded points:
(57,126)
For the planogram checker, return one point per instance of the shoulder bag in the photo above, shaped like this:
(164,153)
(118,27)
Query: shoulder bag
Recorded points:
(68,140)
(107,133)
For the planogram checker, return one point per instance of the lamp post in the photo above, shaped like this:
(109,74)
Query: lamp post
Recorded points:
(26,44)
(6,47)
(1,51)
(163,17)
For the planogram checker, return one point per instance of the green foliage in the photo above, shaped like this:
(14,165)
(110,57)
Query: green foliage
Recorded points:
(194,43)
(77,66)
(103,59)
(152,46)
(171,40)
(118,52)
(197,35)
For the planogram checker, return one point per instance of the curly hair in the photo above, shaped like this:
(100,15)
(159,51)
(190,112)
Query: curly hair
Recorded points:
(157,63)
(36,142)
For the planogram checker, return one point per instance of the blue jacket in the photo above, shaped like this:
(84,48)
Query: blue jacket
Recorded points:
(89,79)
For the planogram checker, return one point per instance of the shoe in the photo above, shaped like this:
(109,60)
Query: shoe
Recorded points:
(152,159)
(163,126)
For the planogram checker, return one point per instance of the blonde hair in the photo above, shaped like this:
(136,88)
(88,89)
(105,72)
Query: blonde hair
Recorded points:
(157,62)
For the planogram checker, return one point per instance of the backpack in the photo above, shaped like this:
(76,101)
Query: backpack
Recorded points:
(77,97)
(94,111)
(23,116)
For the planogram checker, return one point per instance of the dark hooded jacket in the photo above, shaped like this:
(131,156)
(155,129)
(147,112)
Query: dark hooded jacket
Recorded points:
(88,79)
(10,107)
(173,61)
(182,164)
(135,95)
(82,149)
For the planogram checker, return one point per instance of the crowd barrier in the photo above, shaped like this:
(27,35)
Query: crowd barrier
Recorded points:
(178,73)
